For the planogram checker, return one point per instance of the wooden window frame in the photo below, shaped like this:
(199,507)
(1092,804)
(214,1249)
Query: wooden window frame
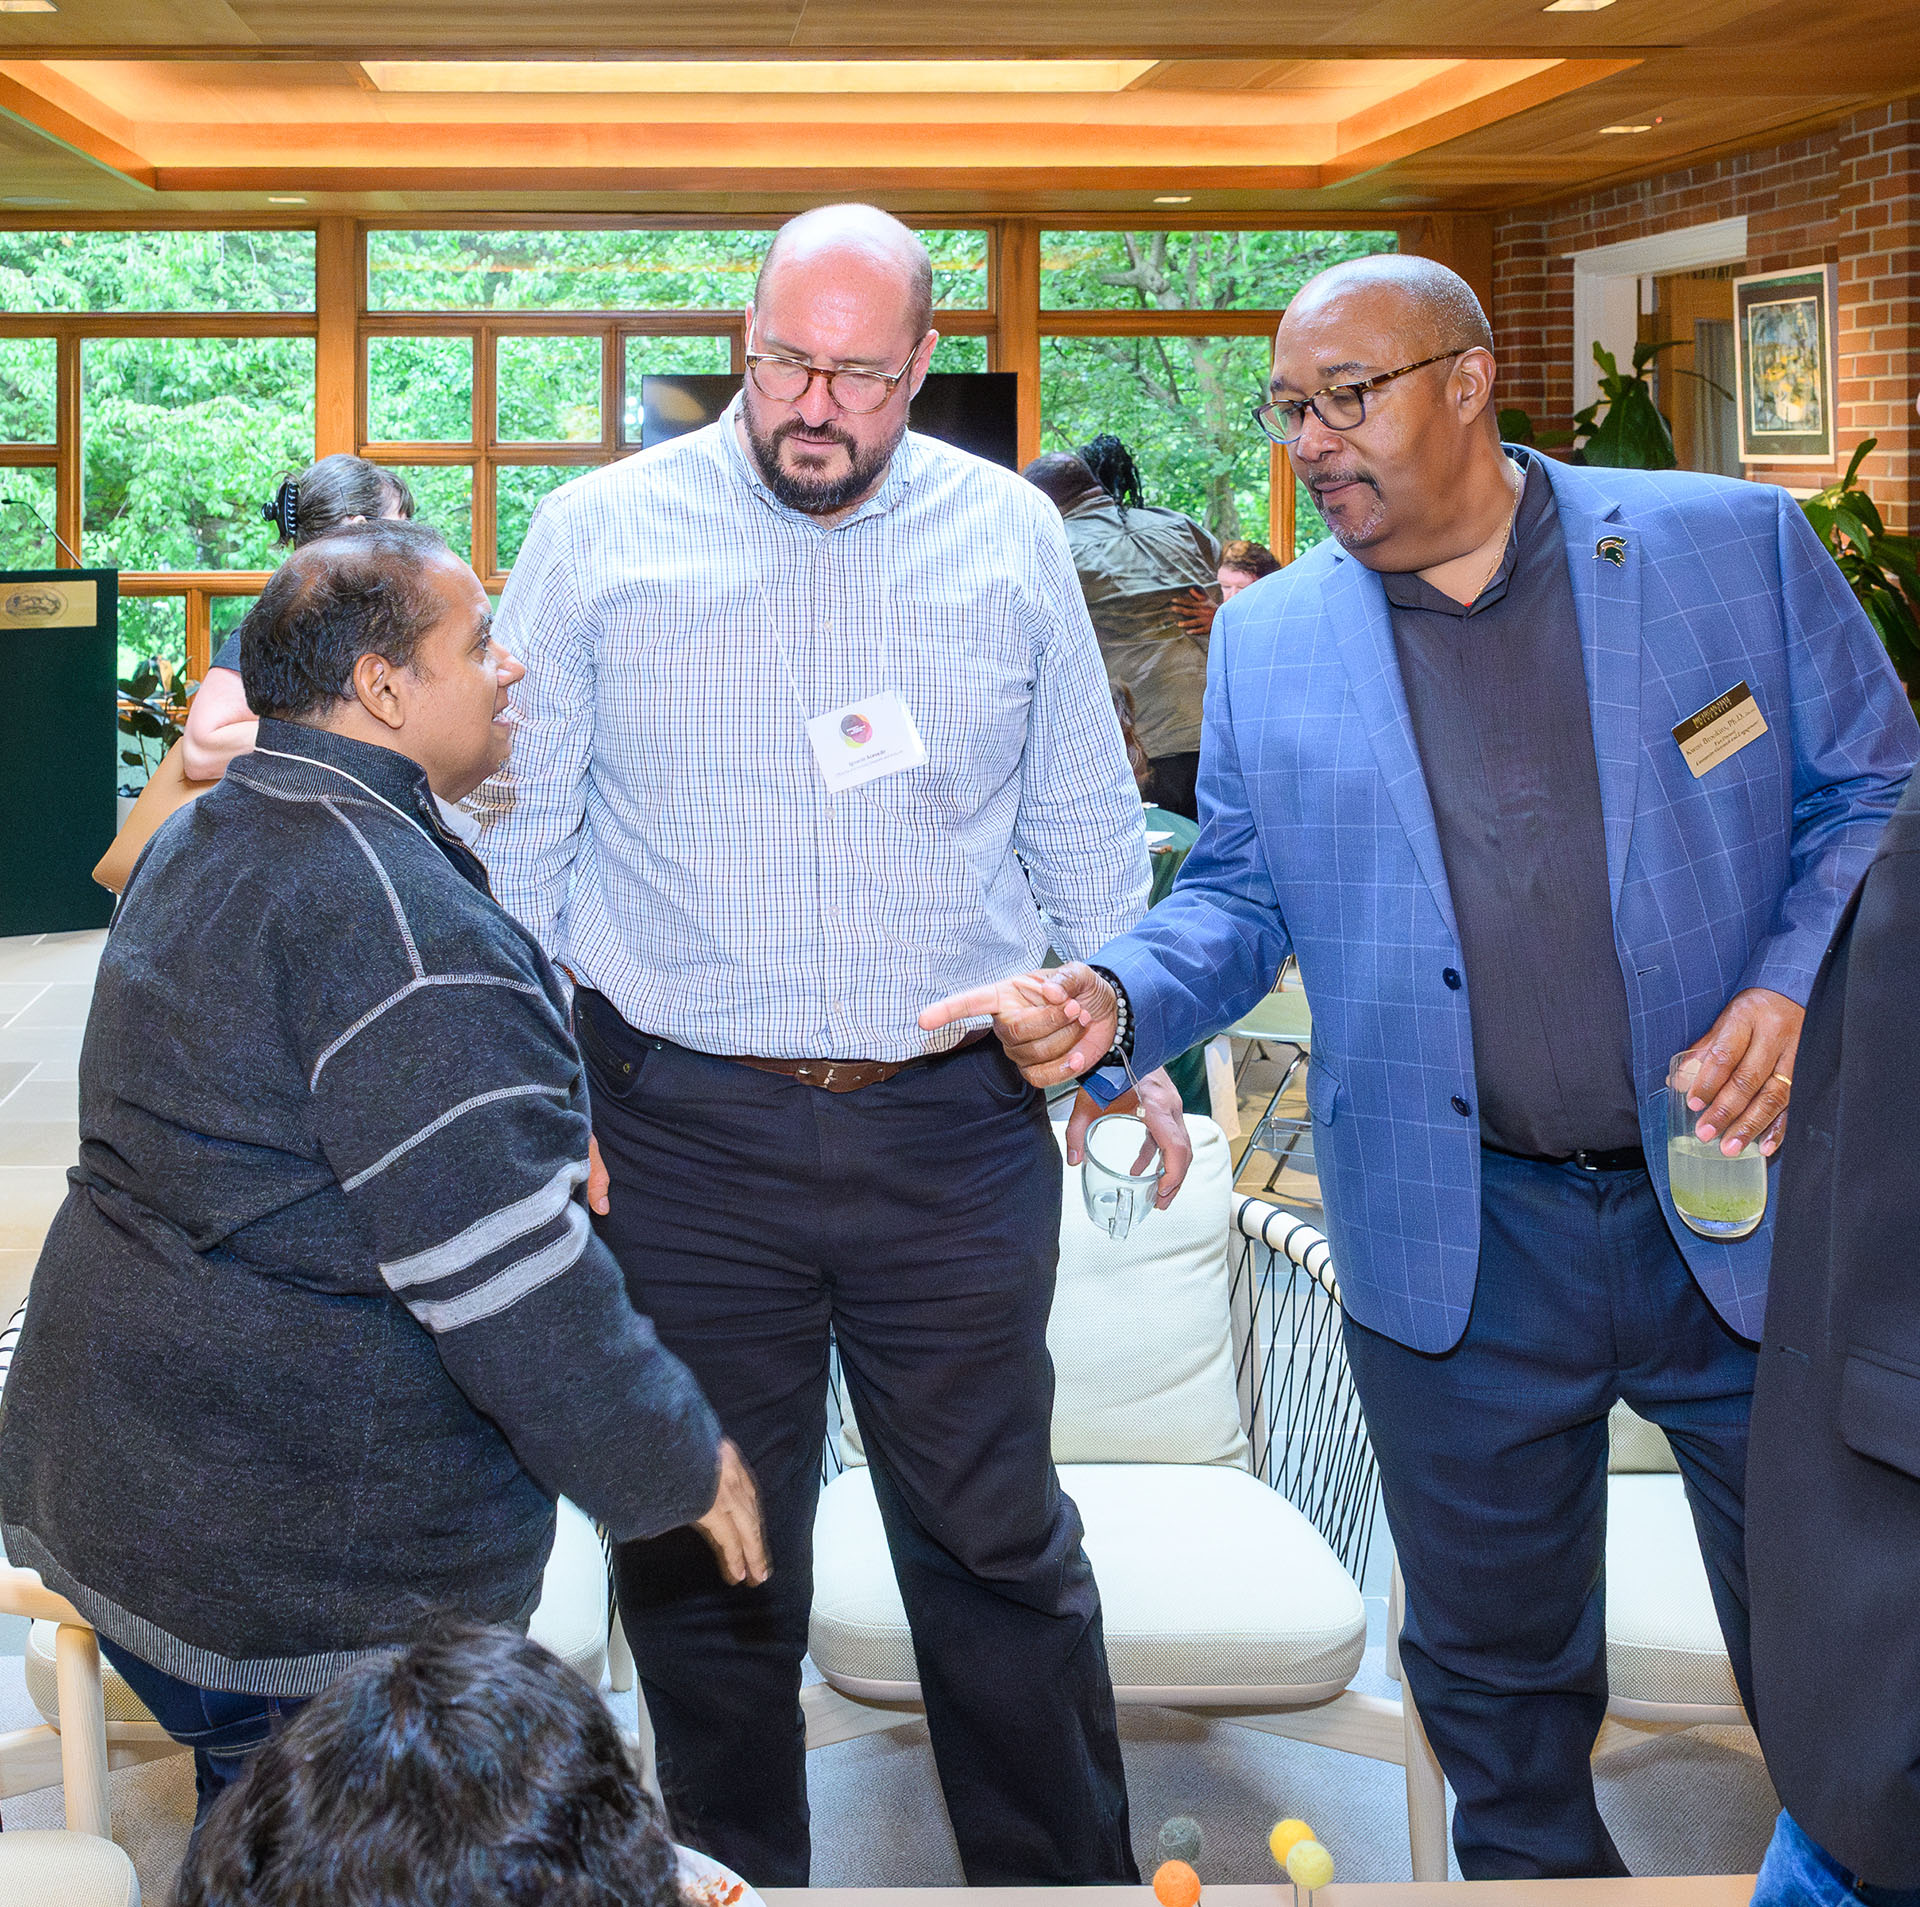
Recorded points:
(341,323)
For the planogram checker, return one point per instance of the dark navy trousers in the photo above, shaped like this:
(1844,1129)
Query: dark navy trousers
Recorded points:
(917,1222)
(1493,1461)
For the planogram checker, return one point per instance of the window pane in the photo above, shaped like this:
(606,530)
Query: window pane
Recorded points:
(959,354)
(25,544)
(420,390)
(1189,271)
(1180,405)
(562,271)
(653,357)
(548,390)
(959,269)
(151,626)
(156,271)
(443,496)
(26,390)
(517,490)
(183,440)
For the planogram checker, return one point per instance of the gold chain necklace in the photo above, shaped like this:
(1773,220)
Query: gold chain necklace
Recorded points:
(1500,552)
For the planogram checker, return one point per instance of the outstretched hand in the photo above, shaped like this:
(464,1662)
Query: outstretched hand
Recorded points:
(1194,612)
(1055,1025)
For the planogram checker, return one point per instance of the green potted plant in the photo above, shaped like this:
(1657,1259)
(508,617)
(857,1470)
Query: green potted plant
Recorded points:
(1883,570)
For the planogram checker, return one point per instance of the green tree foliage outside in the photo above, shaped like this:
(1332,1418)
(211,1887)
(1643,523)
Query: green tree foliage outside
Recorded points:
(1180,404)
(156,271)
(611,270)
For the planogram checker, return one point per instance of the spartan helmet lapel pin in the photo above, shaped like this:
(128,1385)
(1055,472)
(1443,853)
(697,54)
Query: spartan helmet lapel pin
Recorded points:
(1612,549)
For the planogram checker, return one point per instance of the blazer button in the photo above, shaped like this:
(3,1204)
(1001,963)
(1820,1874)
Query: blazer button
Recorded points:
(1460,1106)
(1452,977)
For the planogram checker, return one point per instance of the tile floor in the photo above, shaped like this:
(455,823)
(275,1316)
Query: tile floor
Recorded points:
(46,982)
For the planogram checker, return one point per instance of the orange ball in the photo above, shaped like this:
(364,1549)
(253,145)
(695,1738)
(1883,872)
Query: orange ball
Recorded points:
(1175,1884)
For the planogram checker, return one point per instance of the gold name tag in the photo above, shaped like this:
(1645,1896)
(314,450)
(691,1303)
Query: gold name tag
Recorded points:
(26,605)
(1724,727)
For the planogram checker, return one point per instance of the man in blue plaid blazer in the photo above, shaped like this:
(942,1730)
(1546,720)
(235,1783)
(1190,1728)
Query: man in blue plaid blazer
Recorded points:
(1545,774)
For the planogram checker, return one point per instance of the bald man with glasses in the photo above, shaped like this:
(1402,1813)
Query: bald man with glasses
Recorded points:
(1544,774)
(815,728)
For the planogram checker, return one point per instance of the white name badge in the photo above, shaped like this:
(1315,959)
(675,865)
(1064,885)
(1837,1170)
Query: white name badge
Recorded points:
(1724,727)
(865,740)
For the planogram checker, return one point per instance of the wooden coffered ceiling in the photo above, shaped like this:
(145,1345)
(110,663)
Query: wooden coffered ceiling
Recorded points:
(1304,107)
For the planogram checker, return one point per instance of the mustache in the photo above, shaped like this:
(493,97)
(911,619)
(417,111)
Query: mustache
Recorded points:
(821,434)
(1328,479)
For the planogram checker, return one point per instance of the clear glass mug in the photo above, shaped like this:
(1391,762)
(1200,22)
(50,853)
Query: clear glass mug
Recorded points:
(1117,1197)
(1718,1197)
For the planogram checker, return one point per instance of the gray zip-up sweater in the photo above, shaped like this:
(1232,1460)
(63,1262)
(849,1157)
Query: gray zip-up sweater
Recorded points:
(322,1327)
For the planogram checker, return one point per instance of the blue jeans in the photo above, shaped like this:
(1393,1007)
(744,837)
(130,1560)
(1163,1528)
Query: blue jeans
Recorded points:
(1799,1872)
(222,1730)
(1493,1465)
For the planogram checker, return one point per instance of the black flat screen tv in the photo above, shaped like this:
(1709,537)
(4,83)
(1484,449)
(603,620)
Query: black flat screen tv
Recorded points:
(972,409)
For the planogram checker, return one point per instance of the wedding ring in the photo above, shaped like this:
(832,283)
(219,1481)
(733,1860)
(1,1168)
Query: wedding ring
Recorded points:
(1784,1080)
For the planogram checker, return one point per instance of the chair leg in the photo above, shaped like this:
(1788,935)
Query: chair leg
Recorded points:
(1426,1785)
(83,1729)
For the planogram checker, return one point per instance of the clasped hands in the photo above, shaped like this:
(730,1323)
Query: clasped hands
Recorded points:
(1055,1025)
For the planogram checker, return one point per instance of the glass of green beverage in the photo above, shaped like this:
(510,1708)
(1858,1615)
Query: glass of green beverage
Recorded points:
(1718,1197)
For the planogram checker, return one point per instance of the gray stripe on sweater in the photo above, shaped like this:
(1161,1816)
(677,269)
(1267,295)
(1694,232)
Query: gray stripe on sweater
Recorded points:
(446,1119)
(511,1285)
(486,1235)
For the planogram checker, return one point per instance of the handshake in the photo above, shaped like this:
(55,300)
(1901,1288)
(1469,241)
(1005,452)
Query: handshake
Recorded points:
(1059,1024)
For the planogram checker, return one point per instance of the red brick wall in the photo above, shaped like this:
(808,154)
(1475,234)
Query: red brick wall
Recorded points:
(1849,196)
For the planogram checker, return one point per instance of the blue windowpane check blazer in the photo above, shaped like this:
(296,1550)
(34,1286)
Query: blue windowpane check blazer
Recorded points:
(1318,839)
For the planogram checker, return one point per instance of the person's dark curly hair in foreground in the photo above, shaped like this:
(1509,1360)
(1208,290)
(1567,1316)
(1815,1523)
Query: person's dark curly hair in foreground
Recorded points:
(474,1770)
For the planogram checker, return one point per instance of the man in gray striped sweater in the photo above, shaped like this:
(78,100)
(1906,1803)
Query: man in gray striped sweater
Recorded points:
(322,1328)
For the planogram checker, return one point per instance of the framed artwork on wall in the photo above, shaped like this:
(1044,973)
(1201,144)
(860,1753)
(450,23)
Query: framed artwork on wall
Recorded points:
(1783,340)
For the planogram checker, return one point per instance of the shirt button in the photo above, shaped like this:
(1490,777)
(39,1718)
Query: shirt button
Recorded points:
(1452,977)
(1460,1106)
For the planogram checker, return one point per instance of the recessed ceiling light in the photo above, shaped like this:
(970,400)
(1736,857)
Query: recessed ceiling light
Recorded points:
(1174,198)
(1575,6)
(28,6)
(754,76)
(1608,129)
(285,198)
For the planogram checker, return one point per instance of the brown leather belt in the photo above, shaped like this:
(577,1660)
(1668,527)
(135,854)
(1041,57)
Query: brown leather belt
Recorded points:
(849,1075)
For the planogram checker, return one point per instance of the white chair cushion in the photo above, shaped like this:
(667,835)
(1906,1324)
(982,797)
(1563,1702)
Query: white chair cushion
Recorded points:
(49,1865)
(1215,1590)
(122,1704)
(571,1620)
(1633,1444)
(1140,1334)
(1664,1645)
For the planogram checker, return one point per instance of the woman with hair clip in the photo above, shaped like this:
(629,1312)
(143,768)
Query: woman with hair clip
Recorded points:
(327,496)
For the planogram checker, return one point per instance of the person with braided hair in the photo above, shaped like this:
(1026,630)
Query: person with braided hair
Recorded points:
(325,497)
(1148,575)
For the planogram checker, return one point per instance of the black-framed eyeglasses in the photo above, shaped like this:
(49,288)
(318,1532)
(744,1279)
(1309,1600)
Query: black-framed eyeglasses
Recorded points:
(788,380)
(1339,406)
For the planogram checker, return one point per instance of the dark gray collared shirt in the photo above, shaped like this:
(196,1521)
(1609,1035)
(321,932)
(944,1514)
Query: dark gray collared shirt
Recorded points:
(1498,696)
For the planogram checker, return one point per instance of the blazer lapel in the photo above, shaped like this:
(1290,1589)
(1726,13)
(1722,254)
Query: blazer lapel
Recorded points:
(1606,604)
(1356,604)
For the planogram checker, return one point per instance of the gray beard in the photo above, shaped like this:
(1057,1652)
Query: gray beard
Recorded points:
(813,496)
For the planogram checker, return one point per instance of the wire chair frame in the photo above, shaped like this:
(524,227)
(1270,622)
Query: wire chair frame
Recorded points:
(1297,1401)
(1297,1397)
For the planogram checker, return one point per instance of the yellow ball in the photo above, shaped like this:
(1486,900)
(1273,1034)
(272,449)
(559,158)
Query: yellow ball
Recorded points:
(1175,1884)
(1287,1835)
(1309,1865)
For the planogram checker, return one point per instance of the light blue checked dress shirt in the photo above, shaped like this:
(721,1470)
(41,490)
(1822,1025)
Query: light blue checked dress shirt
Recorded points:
(663,827)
